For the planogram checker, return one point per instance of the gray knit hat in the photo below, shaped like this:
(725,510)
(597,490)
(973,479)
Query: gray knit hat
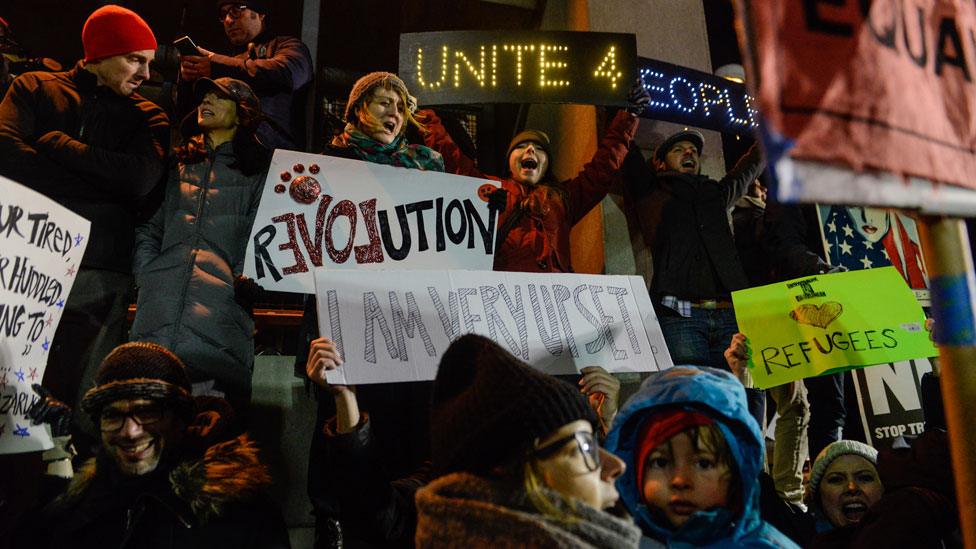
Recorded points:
(368,82)
(139,370)
(834,451)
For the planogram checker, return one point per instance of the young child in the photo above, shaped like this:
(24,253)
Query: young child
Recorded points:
(693,455)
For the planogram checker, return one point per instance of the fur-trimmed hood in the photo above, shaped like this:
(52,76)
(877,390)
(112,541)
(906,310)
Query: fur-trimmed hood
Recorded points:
(227,473)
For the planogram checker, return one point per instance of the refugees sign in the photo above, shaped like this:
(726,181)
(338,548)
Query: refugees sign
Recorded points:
(686,96)
(395,325)
(860,96)
(462,67)
(890,400)
(810,326)
(322,211)
(41,246)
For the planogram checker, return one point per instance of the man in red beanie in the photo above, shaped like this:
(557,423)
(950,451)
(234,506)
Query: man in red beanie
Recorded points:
(278,69)
(84,138)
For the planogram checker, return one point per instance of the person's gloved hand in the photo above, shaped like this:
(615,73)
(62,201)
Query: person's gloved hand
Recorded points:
(498,200)
(246,293)
(51,411)
(638,98)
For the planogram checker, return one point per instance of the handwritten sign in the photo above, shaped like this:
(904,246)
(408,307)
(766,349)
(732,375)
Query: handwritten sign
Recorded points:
(890,400)
(395,326)
(686,96)
(858,97)
(810,326)
(322,211)
(461,67)
(41,246)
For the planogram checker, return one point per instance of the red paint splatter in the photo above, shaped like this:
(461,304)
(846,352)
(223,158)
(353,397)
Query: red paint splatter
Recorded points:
(298,168)
(313,169)
(279,188)
(285,176)
(305,189)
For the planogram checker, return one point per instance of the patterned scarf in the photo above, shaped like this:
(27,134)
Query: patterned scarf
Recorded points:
(398,153)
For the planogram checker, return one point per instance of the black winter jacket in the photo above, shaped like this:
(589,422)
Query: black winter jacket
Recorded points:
(685,221)
(95,152)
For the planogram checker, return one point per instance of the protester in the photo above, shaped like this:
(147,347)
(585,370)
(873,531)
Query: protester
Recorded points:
(683,216)
(518,458)
(85,139)
(693,455)
(533,230)
(166,474)
(190,255)
(377,116)
(278,69)
(844,483)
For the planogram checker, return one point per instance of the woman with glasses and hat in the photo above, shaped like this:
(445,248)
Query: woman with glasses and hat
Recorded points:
(189,256)
(518,459)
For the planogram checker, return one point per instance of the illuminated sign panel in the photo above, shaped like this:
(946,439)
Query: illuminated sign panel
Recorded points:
(687,96)
(460,67)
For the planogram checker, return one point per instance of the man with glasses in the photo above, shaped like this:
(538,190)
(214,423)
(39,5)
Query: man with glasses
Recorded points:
(278,69)
(166,471)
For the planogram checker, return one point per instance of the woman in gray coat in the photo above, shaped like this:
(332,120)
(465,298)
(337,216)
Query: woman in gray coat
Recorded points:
(189,255)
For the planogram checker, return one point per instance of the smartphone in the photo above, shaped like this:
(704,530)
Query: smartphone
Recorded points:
(186,46)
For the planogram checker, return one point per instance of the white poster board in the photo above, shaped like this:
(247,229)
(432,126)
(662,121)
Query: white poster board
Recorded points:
(347,214)
(890,400)
(392,326)
(41,246)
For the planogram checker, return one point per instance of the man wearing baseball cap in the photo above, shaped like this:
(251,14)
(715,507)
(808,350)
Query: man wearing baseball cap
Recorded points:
(684,217)
(278,69)
(86,139)
(169,471)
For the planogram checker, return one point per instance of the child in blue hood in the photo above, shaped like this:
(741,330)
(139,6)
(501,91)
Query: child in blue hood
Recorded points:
(693,454)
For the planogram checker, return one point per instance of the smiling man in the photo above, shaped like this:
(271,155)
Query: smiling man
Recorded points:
(167,473)
(278,69)
(684,218)
(86,139)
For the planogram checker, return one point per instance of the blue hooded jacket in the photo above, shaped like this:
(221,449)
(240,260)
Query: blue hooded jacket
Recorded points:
(723,398)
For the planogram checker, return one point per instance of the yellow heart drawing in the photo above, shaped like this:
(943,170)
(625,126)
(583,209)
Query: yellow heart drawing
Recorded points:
(819,316)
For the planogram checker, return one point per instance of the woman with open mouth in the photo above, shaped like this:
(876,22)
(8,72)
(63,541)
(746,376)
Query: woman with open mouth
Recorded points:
(844,483)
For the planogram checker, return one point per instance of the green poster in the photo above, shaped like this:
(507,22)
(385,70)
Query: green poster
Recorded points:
(809,326)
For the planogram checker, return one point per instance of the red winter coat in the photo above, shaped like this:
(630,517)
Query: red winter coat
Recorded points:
(538,239)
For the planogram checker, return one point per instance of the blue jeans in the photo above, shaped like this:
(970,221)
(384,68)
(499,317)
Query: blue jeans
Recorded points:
(700,340)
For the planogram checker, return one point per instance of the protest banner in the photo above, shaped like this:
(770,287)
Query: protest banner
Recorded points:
(858,97)
(890,400)
(865,238)
(810,326)
(694,98)
(395,325)
(322,211)
(41,246)
(463,67)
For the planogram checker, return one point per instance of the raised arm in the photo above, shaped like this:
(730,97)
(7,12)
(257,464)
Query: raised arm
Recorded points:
(289,68)
(746,170)
(437,138)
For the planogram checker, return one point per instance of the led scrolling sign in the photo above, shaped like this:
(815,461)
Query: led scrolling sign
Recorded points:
(463,67)
(694,98)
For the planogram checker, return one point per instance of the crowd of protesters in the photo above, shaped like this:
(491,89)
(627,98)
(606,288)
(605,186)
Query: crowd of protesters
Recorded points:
(492,452)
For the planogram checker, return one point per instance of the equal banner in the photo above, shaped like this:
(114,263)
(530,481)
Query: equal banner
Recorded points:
(322,211)
(857,97)
(827,323)
(41,246)
(395,326)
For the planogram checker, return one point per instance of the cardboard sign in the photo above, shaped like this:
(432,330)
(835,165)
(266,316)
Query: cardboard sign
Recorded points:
(866,238)
(322,211)
(462,67)
(41,246)
(395,326)
(866,88)
(810,326)
(890,400)
(694,98)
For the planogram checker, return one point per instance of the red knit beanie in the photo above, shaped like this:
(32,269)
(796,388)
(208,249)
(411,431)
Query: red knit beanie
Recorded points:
(114,30)
(658,429)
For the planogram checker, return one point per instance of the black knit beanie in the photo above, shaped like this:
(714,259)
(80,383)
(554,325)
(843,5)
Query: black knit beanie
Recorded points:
(489,408)
(140,370)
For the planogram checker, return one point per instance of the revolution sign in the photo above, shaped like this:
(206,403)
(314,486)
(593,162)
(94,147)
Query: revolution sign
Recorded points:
(461,67)
(686,96)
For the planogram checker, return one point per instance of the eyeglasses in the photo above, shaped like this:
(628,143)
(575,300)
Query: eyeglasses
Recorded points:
(585,441)
(234,10)
(113,420)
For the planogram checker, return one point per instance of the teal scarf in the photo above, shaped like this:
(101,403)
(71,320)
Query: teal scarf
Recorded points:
(398,153)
